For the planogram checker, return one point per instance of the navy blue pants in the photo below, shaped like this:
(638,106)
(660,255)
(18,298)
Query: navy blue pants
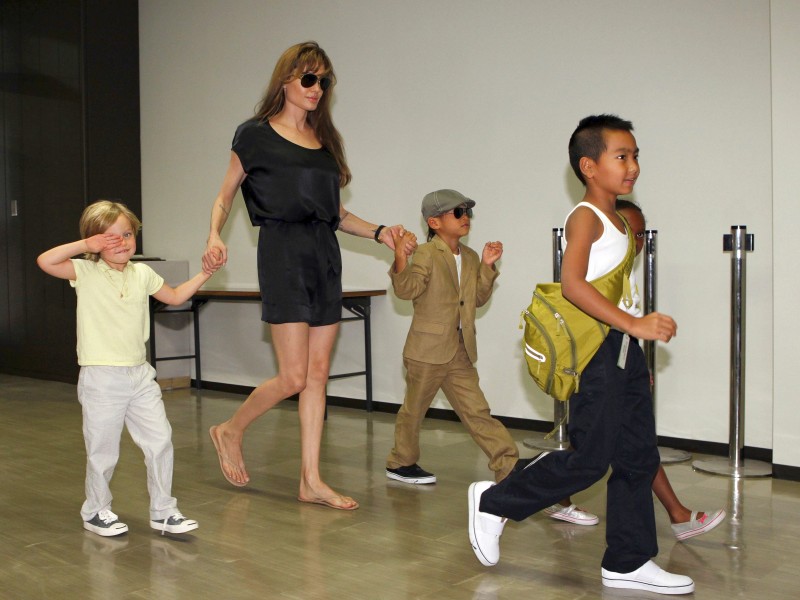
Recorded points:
(611,423)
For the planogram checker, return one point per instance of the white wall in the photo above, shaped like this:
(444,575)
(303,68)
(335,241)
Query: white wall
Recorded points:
(482,97)
(786,156)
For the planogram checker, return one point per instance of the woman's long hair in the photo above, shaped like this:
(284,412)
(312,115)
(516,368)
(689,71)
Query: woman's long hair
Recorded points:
(307,57)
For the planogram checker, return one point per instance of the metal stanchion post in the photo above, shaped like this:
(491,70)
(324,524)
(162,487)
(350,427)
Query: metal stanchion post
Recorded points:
(738,243)
(668,455)
(557,439)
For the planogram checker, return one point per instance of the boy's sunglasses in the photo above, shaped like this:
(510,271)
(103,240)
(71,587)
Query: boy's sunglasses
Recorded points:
(308,80)
(460,211)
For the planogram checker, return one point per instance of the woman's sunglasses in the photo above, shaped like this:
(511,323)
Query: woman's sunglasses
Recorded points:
(460,211)
(308,80)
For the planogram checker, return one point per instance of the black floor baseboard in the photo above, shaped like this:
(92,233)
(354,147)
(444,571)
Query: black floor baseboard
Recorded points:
(786,472)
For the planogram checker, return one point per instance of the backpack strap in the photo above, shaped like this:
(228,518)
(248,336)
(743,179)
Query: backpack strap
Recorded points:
(627,265)
(616,284)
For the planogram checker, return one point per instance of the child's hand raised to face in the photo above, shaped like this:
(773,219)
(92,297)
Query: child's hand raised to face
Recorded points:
(492,252)
(103,241)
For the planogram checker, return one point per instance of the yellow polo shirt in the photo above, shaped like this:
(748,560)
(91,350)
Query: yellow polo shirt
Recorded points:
(113,312)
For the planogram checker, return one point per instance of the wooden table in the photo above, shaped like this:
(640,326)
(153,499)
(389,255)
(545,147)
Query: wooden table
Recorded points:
(357,302)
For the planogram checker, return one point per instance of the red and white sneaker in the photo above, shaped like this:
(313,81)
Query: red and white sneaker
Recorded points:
(695,526)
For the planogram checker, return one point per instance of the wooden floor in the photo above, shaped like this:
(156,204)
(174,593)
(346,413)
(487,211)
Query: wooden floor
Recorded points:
(404,542)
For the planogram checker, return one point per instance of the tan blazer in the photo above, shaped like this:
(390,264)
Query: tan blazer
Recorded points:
(440,303)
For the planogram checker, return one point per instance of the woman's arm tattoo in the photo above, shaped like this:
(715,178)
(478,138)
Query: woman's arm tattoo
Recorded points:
(341,221)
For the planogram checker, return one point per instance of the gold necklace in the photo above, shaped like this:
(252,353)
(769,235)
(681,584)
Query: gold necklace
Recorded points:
(124,287)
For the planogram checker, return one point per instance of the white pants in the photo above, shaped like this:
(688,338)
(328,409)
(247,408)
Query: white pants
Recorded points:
(112,397)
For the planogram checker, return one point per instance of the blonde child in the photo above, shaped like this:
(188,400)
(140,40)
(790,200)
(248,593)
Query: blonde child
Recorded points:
(116,385)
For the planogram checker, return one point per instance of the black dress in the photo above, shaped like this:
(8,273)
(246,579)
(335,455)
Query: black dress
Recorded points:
(292,194)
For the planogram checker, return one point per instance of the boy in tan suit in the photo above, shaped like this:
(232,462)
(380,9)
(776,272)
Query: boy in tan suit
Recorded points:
(447,281)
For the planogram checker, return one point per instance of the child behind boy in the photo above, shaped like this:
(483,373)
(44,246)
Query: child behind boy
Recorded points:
(611,420)
(686,523)
(116,385)
(446,282)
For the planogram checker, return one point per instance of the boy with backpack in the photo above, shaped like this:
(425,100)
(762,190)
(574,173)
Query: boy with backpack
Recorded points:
(611,415)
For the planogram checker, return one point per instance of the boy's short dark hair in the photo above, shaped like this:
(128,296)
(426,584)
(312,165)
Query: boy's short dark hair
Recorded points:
(587,139)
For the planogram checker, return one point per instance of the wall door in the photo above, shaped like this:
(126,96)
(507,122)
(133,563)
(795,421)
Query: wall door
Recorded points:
(62,65)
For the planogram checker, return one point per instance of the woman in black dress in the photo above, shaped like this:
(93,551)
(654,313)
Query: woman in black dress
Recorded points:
(289,162)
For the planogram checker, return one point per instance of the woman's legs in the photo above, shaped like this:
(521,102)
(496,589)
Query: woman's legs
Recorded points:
(312,419)
(291,342)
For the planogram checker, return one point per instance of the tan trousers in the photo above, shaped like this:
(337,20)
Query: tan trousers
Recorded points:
(458,379)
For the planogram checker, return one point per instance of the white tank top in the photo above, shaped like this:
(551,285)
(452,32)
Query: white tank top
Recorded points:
(606,253)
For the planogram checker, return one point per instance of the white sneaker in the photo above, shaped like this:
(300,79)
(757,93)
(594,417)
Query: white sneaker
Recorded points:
(176,523)
(571,514)
(105,523)
(649,577)
(484,529)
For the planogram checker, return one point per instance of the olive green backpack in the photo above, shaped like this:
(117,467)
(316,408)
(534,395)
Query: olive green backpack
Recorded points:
(560,339)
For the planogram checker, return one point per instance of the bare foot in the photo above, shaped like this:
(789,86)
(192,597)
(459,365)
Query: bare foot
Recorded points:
(337,502)
(323,494)
(229,451)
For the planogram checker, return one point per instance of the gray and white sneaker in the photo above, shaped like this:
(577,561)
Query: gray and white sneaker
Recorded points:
(105,523)
(571,514)
(176,523)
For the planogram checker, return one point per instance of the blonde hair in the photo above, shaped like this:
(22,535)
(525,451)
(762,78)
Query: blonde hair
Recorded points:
(307,57)
(99,216)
